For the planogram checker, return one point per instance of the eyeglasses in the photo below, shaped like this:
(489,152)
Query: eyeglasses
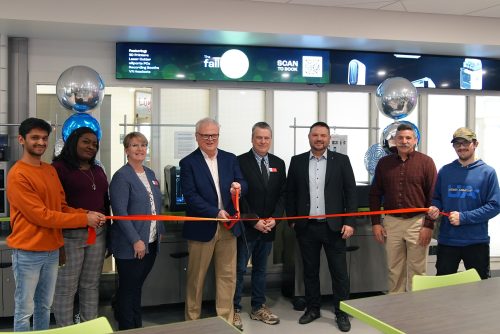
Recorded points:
(208,137)
(464,143)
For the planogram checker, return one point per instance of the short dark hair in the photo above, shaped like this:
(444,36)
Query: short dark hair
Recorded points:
(33,123)
(261,125)
(404,127)
(321,124)
(69,152)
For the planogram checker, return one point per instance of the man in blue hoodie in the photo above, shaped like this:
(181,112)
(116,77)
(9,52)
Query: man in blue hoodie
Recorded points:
(468,190)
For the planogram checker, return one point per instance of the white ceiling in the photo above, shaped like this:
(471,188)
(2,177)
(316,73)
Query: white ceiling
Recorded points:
(482,8)
(442,27)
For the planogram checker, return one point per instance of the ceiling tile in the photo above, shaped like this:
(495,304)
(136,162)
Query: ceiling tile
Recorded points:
(395,6)
(364,4)
(490,12)
(455,7)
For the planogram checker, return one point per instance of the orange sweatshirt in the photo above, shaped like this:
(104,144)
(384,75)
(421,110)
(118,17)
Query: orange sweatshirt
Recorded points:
(38,209)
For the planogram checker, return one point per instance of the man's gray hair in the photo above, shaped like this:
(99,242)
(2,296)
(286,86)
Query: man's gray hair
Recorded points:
(262,125)
(206,120)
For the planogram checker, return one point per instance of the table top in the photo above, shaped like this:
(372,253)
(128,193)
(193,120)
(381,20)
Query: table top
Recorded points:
(214,325)
(465,308)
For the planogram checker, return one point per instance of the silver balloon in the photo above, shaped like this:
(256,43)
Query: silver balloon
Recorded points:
(396,97)
(388,137)
(372,156)
(58,146)
(80,89)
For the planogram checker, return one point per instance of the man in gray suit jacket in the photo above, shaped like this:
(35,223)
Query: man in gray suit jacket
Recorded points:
(321,182)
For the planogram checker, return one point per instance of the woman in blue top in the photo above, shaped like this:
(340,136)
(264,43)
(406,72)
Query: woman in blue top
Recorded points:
(134,190)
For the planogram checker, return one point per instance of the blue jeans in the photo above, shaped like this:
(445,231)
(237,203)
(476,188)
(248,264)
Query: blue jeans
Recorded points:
(35,274)
(259,250)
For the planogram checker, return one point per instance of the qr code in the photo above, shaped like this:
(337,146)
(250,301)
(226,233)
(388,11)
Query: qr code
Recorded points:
(312,67)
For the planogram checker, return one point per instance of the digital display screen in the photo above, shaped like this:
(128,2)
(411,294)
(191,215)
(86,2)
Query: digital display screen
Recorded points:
(429,71)
(223,63)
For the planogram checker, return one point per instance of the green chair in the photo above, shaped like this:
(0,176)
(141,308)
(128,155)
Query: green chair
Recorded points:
(96,326)
(423,282)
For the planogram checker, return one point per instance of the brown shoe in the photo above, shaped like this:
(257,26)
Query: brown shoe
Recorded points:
(265,315)
(237,320)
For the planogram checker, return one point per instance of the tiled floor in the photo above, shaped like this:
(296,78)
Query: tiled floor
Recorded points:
(280,305)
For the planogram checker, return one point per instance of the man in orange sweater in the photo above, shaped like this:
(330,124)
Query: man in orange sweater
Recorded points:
(38,212)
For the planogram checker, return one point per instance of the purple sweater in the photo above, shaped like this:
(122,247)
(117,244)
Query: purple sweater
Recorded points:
(77,185)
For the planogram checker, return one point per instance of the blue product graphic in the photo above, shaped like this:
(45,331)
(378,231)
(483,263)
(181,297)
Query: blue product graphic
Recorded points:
(357,73)
(471,74)
(424,83)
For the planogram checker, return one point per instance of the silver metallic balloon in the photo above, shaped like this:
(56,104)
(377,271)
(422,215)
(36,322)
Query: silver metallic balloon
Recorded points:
(396,97)
(58,146)
(372,156)
(80,89)
(388,137)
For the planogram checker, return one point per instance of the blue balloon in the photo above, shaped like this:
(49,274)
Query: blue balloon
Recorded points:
(372,156)
(80,120)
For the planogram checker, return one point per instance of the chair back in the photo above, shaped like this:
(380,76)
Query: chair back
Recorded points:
(423,282)
(95,326)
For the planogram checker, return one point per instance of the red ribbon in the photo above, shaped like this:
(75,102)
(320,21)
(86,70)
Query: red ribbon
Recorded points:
(229,223)
(236,217)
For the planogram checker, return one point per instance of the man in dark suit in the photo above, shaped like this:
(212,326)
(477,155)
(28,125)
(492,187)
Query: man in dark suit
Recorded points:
(209,177)
(266,177)
(321,182)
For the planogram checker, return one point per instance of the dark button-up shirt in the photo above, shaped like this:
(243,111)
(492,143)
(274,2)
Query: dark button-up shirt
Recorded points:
(402,184)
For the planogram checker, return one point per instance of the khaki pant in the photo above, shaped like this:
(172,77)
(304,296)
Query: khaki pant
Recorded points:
(405,258)
(223,250)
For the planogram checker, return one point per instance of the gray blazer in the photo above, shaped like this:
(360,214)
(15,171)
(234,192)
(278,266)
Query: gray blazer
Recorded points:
(129,197)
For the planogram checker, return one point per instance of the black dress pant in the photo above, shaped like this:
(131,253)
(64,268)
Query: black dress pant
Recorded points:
(474,256)
(131,276)
(311,240)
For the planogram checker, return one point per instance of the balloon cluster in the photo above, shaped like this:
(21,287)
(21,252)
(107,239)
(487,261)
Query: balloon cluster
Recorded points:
(79,89)
(396,98)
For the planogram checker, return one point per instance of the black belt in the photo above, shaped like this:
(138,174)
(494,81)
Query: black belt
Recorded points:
(317,220)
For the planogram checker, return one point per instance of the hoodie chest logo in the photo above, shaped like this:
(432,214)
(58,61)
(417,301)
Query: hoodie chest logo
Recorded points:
(462,191)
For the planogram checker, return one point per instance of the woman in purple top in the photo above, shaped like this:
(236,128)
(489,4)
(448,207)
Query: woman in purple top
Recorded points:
(86,186)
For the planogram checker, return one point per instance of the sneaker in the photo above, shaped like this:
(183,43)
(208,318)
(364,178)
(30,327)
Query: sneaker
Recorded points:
(343,322)
(265,315)
(237,320)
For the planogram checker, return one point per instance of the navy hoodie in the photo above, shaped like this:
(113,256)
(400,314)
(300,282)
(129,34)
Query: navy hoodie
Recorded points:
(473,191)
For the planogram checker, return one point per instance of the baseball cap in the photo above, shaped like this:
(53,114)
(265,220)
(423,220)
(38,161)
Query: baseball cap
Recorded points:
(464,133)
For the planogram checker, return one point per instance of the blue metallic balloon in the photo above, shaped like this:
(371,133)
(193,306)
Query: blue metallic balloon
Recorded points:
(372,156)
(80,120)
(80,89)
(388,137)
